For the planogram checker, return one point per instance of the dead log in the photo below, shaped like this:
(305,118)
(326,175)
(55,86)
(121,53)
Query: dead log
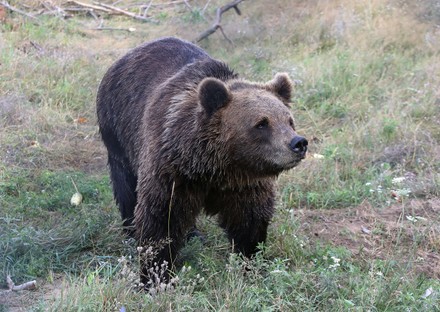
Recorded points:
(218,20)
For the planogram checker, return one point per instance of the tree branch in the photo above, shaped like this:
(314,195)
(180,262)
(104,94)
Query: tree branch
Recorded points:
(217,23)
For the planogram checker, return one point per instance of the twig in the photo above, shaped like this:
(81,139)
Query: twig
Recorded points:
(114,28)
(147,8)
(51,8)
(224,35)
(187,5)
(116,9)
(169,222)
(217,24)
(158,4)
(27,285)
(92,13)
(46,5)
(170,3)
(206,6)
(37,47)
(74,185)
(14,9)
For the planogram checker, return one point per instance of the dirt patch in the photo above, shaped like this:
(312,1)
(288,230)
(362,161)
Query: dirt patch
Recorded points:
(408,232)
(24,300)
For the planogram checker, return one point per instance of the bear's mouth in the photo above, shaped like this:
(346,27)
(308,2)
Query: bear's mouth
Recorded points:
(293,163)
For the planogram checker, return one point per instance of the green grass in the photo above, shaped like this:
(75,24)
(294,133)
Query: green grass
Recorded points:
(325,280)
(367,100)
(42,232)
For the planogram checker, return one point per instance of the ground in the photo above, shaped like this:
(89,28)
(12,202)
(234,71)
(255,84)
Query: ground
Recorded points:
(357,223)
(407,232)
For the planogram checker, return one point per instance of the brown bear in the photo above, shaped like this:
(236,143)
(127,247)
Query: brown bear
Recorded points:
(184,135)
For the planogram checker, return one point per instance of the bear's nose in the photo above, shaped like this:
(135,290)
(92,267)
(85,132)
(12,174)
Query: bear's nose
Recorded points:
(299,145)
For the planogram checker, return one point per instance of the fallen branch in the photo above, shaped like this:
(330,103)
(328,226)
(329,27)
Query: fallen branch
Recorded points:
(53,9)
(86,10)
(90,6)
(205,7)
(14,9)
(11,286)
(217,24)
(121,11)
(146,9)
(131,29)
(187,5)
(156,4)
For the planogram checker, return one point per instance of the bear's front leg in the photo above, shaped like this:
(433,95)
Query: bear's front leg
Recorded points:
(163,215)
(244,214)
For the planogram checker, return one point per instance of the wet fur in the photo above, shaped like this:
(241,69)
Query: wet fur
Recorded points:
(169,158)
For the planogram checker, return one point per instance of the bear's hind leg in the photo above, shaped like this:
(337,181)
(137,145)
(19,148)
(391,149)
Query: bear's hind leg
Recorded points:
(124,190)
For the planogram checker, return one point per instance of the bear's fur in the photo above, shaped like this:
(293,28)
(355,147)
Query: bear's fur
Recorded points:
(185,134)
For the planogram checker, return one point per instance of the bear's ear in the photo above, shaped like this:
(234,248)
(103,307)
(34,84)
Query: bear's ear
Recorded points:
(282,86)
(213,95)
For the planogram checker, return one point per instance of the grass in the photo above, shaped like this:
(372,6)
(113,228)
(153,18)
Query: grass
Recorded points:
(47,233)
(366,97)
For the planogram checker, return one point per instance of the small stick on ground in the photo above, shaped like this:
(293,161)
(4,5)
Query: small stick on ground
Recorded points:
(156,5)
(147,8)
(12,287)
(205,7)
(187,5)
(115,28)
(74,185)
(217,24)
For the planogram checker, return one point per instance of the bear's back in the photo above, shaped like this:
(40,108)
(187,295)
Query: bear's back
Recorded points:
(132,82)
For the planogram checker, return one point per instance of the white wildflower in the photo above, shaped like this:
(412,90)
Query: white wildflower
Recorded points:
(336,263)
(398,180)
(411,218)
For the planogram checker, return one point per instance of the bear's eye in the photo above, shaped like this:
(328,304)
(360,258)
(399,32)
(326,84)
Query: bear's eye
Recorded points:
(291,123)
(262,124)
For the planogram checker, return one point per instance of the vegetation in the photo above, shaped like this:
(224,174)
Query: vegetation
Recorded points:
(357,224)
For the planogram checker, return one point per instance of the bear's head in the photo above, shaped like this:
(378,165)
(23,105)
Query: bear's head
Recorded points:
(256,126)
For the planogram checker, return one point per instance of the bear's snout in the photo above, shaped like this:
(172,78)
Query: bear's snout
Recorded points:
(299,145)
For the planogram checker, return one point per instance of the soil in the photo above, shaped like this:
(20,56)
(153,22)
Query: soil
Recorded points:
(408,232)
(23,300)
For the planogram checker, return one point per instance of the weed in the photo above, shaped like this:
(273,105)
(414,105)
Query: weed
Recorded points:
(194,16)
(162,16)
(389,129)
